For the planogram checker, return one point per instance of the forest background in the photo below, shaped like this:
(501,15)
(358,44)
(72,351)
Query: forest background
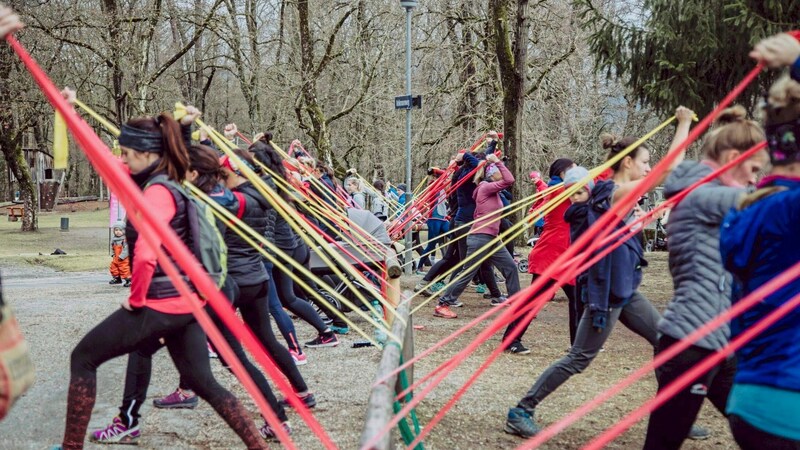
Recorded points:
(552,74)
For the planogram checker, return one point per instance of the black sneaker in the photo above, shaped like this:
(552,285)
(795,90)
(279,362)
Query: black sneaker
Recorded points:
(517,348)
(327,339)
(520,422)
(497,301)
(127,282)
(268,434)
(308,400)
(115,280)
(698,433)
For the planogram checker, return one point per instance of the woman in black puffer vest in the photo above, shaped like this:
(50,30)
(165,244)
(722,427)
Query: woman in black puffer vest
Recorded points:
(284,237)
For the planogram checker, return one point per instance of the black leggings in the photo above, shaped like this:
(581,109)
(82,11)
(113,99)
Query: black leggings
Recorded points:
(137,376)
(126,331)
(574,316)
(286,291)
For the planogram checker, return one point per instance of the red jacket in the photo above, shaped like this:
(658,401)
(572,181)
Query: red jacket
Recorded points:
(554,239)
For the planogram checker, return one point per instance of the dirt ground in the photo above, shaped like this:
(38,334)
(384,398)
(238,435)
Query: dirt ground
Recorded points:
(56,309)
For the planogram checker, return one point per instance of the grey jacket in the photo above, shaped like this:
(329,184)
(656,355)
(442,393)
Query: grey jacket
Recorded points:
(702,286)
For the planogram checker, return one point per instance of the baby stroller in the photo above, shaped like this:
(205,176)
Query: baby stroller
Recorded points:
(369,286)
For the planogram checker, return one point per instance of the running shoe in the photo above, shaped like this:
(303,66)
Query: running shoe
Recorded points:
(520,422)
(497,301)
(517,348)
(309,400)
(300,358)
(179,399)
(340,330)
(444,312)
(480,289)
(269,434)
(116,433)
(115,280)
(698,433)
(327,339)
(420,287)
(438,286)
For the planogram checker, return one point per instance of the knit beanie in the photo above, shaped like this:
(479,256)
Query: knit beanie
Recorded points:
(575,175)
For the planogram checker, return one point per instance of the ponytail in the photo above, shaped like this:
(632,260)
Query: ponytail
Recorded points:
(175,161)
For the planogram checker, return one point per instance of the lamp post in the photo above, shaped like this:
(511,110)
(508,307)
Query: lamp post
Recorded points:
(408,5)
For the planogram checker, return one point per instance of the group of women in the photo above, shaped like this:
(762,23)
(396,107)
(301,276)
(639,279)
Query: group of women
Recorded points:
(727,240)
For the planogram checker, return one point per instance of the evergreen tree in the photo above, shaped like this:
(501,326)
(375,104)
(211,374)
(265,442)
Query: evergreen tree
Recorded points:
(689,52)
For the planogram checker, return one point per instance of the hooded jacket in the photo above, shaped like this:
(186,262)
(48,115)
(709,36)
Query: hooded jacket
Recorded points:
(757,243)
(702,286)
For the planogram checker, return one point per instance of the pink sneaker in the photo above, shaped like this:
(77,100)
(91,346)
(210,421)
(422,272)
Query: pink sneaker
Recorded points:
(300,359)
(178,399)
(116,433)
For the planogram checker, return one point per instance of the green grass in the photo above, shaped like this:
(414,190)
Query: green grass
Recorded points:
(86,242)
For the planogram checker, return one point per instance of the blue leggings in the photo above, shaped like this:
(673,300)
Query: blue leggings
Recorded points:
(284,322)
(435,229)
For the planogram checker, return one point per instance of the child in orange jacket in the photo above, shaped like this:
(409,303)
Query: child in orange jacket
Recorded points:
(120,264)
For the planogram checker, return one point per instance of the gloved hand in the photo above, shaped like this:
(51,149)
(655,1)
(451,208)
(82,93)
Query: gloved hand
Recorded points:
(599,320)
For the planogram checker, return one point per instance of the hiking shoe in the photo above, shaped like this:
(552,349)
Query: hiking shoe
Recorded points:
(444,312)
(115,280)
(300,358)
(521,423)
(116,433)
(307,400)
(517,348)
(327,339)
(269,434)
(420,287)
(177,400)
(497,301)
(480,289)
(698,433)
(340,330)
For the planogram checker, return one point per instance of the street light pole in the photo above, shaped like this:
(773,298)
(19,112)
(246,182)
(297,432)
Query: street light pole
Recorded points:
(408,5)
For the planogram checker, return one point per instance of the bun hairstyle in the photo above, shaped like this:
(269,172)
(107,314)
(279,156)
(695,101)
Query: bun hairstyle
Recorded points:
(174,155)
(783,102)
(733,131)
(205,161)
(782,121)
(615,144)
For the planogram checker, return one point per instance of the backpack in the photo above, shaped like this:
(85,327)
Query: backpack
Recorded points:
(208,245)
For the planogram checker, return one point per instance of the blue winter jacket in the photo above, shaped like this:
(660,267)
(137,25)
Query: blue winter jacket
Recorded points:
(757,243)
(611,282)
(466,204)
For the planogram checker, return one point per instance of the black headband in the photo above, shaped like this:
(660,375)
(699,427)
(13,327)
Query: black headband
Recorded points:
(140,140)
(782,139)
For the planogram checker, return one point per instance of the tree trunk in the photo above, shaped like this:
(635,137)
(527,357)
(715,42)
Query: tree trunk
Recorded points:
(511,49)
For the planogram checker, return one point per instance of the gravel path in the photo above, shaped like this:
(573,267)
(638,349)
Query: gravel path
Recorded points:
(55,310)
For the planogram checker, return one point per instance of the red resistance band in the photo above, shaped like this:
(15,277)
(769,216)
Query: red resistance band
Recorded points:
(592,238)
(130,196)
(610,243)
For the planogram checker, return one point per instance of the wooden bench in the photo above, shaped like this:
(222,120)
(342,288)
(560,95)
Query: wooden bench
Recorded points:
(14,213)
